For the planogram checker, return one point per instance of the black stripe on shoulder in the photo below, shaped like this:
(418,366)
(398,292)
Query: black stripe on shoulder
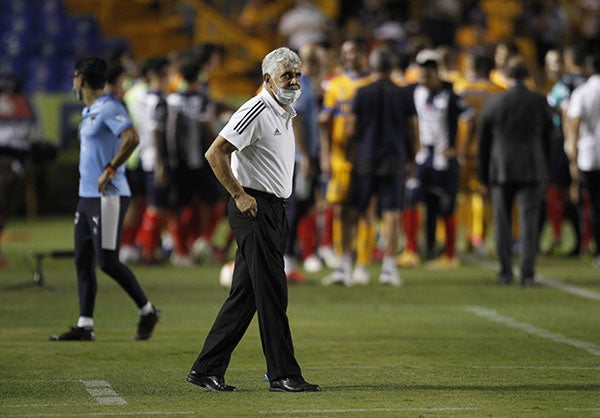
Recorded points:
(249,117)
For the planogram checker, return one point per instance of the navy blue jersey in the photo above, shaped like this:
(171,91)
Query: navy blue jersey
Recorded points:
(383,137)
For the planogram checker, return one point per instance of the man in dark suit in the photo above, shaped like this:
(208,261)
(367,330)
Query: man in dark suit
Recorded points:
(514,151)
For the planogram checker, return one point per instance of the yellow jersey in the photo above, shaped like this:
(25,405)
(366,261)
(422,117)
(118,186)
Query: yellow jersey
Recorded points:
(475,93)
(338,98)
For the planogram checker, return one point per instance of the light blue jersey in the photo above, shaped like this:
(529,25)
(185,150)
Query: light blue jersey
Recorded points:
(99,132)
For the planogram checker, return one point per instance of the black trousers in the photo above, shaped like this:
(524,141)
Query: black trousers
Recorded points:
(529,197)
(93,228)
(259,285)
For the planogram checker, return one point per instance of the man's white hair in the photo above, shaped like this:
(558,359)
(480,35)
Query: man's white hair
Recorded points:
(277,57)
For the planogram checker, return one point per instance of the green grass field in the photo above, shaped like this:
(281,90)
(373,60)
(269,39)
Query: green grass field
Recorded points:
(448,343)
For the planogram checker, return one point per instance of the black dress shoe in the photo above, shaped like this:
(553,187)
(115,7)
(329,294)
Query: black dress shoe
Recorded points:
(528,282)
(214,383)
(293,384)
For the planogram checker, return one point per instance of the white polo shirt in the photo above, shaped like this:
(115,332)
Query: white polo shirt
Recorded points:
(262,132)
(585,104)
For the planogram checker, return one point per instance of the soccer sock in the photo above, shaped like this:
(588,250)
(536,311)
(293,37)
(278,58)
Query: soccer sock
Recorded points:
(388,264)
(178,240)
(515,222)
(346,264)
(450,228)
(149,234)
(85,321)
(365,242)
(325,225)
(128,235)
(307,234)
(188,222)
(463,212)
(336,235)
(477,218)
(146,309)
(554,211)
(217,212)
(410,224)
(440,230)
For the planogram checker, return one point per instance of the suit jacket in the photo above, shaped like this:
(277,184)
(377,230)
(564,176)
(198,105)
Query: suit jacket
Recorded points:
(514,137)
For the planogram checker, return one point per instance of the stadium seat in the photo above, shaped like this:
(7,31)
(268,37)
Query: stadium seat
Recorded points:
(15,44)
(84,35)
(41,74)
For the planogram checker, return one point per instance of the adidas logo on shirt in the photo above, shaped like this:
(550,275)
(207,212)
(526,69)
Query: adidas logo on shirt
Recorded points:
(276,132)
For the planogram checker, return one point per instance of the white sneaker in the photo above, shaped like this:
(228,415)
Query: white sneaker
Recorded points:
(596,262)
(391,278)
(329,257)
(361,275)
(313,264)
(337,277)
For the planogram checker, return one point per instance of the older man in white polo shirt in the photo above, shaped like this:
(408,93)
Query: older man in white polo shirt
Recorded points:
(584,142)
(253,157)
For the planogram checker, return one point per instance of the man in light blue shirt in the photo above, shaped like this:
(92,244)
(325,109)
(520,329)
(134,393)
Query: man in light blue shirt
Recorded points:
(107,139)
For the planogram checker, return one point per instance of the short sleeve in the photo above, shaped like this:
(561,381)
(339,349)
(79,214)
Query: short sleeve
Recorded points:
(115,117)
(575,104)
(241,129)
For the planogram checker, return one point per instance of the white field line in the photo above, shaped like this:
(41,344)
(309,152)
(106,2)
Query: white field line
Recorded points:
(567,288)
(350,411)
(581,409)
(47,405)
(536,367)
(104,414)
(532,329)
(103,392)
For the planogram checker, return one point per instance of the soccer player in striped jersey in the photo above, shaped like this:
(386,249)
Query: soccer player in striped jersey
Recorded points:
(153,157)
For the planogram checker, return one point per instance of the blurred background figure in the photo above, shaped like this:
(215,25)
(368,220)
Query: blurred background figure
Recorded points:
(301,210)
(17,132)
(514,154)
(335,163)
(474,211)
(381,130)
(438,109)
(558,203)
(304,24)
(153,158)
(584,146)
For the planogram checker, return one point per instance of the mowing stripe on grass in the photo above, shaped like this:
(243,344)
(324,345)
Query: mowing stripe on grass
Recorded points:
(349,411)
(103,392)
(532,329)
